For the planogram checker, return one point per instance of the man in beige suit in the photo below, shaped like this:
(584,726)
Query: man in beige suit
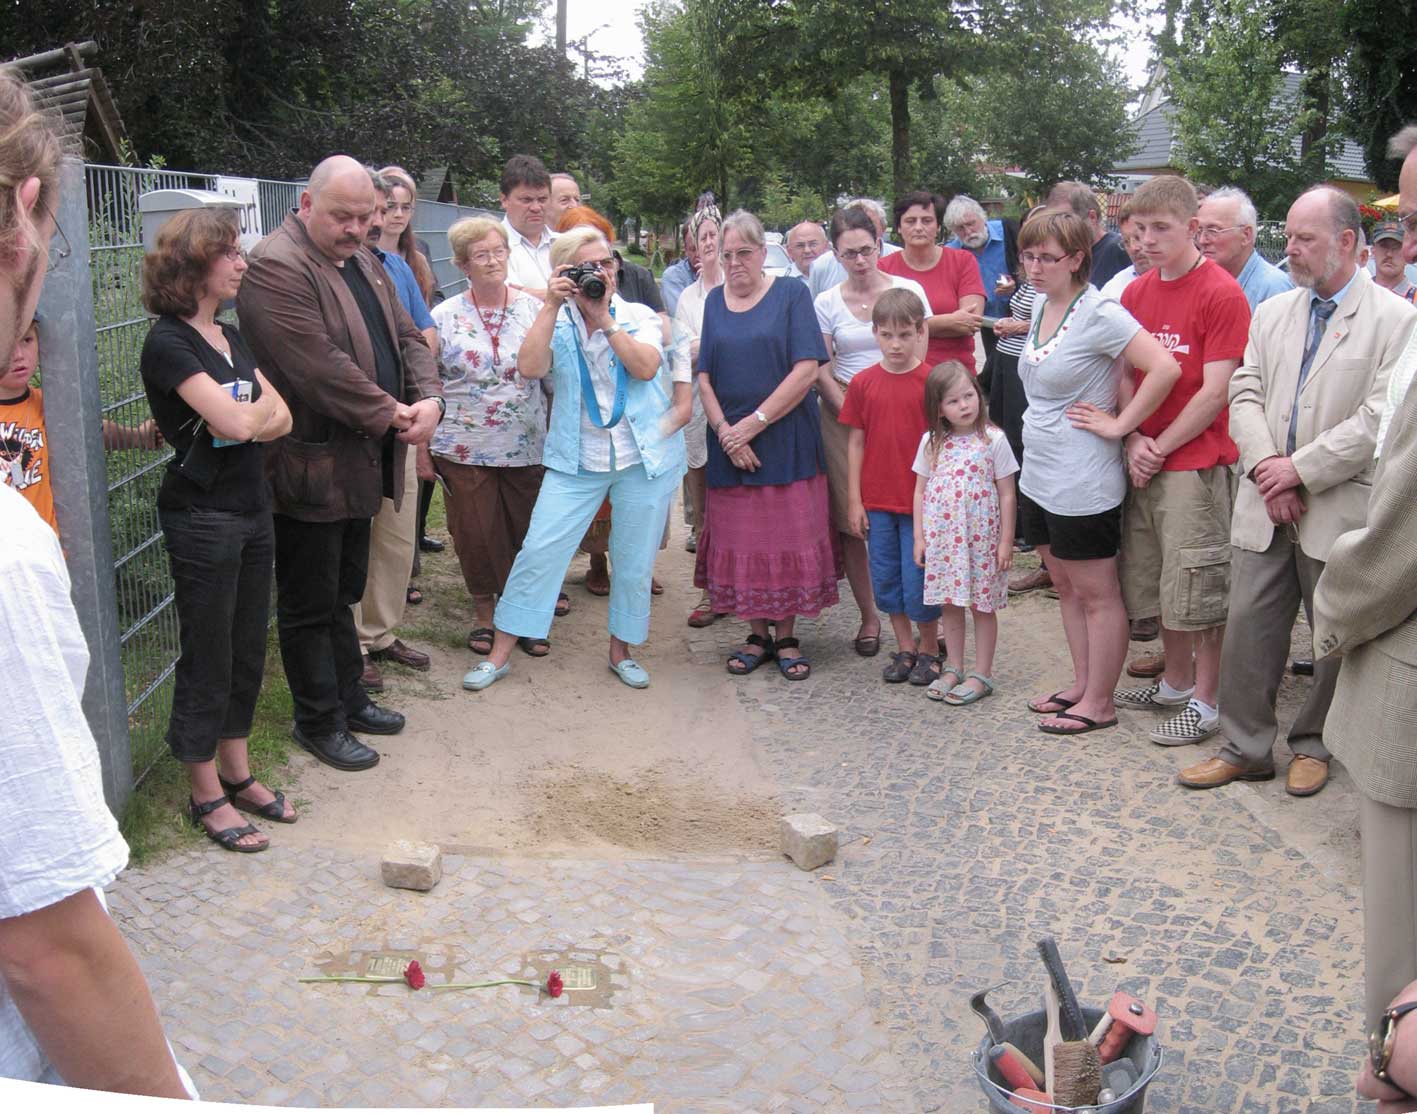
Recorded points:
(1365,608)
(1304,410)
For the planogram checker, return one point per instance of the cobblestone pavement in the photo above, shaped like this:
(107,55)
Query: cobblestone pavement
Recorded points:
(971,834)
(735,983)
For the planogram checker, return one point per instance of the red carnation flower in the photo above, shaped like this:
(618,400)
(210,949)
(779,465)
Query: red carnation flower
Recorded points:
(413,975)
(554,985)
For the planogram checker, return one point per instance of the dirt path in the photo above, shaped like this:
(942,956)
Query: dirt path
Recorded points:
(559,755)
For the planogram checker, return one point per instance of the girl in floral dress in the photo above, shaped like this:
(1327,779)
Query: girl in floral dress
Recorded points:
(964,525)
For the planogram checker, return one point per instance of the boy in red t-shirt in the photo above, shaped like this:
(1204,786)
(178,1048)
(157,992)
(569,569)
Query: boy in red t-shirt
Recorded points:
(1175,557)
(885,408)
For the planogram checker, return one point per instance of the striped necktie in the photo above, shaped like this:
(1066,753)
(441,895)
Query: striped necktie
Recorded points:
(1320,310)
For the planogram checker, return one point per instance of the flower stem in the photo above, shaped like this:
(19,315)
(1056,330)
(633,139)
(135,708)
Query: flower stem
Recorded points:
(480,985)
(351,978)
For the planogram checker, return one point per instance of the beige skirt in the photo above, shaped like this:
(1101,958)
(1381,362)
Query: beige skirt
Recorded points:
(835,437)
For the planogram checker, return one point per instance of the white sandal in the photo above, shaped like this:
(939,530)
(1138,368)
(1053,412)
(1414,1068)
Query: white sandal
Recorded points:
(937,689)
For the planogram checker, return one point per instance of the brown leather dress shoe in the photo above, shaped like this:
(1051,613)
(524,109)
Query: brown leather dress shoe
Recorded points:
(1151,664)
(404,655)
(1306,776)
(1145,630)
(1030,582)
(371,678)
(1214,772)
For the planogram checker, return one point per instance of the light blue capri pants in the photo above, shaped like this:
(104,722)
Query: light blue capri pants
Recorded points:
(564,509)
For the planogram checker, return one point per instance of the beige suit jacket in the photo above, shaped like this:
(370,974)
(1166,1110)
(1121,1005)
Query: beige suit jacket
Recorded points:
(1365,607)
(1340,406)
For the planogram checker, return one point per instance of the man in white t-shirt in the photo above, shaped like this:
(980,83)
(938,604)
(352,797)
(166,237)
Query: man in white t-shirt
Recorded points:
(74,1007)
(526,199)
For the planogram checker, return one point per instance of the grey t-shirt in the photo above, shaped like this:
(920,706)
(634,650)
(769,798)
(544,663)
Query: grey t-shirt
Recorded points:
(1066,470)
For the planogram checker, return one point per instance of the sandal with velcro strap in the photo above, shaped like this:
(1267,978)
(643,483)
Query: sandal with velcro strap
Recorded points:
(750,662)
(228,837)
(271,810)
(786,665)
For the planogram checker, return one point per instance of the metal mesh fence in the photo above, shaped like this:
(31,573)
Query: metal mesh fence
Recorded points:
(148,621)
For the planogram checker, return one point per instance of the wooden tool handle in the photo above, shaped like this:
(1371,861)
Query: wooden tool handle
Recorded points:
(1053,1035)
(1113,1041)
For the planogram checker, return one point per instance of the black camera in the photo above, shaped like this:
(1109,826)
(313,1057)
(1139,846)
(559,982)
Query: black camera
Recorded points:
(587,278)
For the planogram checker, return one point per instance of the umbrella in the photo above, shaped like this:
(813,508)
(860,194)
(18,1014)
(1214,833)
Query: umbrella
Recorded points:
(1386,203)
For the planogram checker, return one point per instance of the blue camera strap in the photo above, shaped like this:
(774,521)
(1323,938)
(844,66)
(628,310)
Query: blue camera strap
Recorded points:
(592,404)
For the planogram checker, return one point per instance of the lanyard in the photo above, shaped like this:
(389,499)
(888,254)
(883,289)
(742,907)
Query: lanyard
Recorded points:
(617,409)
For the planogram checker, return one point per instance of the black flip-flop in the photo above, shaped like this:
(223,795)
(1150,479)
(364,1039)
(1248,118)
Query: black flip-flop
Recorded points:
(1056,698)
(1087,724)
(534,647)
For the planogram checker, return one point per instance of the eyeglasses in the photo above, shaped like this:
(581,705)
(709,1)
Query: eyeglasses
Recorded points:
(601,264)
(482,258)
(1209,232)
(1408,222)
(851,254)
(233,253)
(742,255)
(1027,258)
(62,251)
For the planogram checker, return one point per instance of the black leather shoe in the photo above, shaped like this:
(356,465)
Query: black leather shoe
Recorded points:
(1302,667)
(374,720)
(339,749)
(431,545)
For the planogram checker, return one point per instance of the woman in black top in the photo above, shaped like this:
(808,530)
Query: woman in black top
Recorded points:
(215,408)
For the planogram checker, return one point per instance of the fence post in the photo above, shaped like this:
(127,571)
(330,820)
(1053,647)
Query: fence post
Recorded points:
(78,471)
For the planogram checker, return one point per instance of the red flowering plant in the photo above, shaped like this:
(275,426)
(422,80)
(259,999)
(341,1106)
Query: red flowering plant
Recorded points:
(553,987)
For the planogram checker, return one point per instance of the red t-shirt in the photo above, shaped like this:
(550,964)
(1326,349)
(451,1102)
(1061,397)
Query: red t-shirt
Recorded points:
(1199,318)
(955,276)
(890,409)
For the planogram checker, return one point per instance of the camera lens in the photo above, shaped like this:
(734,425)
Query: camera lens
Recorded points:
(592,285)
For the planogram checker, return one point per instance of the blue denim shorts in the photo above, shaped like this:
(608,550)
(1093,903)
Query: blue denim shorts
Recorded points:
(897,582)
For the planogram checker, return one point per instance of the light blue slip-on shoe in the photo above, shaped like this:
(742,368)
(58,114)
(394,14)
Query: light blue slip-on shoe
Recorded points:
(483,674)
(631,672)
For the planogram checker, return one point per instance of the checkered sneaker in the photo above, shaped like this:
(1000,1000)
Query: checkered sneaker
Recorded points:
(1188,727)
(1148,699)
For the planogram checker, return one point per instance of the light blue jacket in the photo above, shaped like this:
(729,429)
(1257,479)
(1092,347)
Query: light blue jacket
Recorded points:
(646,402)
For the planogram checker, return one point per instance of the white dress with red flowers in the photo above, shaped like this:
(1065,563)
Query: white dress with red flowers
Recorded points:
(960,519)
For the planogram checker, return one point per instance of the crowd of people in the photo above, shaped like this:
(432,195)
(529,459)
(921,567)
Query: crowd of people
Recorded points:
(1185,434)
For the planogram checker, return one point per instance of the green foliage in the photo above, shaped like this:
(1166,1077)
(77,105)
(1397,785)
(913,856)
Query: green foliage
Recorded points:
(1382,78)
(1233,127)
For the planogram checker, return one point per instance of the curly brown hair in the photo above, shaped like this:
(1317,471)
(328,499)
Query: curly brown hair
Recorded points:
(175,271)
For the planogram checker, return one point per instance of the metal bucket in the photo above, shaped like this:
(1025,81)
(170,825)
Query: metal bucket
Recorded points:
(1026,1033)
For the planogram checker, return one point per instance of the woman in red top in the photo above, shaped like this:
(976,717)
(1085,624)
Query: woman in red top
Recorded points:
(950,277)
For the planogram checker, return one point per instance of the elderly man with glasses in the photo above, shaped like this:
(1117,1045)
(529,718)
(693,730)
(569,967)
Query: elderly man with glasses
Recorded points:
(1227,235)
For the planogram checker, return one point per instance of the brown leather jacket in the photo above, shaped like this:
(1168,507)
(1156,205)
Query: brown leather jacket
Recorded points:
(310,340)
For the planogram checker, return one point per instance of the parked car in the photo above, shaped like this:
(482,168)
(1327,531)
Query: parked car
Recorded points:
(778,262)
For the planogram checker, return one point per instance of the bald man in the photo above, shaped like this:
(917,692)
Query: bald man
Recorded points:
(331,334)
(805,242)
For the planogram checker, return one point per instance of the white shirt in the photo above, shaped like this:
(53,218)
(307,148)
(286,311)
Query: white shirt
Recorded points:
(688,327)
(1398,384)
(57,837)
(643,324)
(854,346)
(1113,287)
(528,263)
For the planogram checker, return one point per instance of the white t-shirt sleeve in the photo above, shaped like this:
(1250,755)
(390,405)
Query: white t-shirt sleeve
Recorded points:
(826,306)
(1002,454)
(922,466)
(686,327)
(60,837)
(1113,328)
(915,288)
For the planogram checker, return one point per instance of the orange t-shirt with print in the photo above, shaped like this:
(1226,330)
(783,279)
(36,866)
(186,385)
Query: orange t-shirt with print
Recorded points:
(24,452)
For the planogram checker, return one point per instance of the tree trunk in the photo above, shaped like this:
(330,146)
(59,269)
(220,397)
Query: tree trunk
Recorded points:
(561,27)
(1315,95)
(900,132)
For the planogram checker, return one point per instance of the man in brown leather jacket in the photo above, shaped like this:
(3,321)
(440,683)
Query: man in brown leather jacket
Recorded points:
(331,335)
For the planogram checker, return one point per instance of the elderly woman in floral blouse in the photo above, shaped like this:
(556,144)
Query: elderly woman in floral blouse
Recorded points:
(488,448)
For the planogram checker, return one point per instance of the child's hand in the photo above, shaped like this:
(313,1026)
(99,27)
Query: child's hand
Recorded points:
(1006,554)
(920,552)
(149,436)
(857,524)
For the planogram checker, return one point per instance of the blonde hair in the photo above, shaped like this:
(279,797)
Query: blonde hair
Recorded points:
(565,246)
(472,230)
(408,242)
(1166,193)
(29,148)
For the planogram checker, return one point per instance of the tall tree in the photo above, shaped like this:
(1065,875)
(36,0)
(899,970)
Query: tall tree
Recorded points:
(1382,71)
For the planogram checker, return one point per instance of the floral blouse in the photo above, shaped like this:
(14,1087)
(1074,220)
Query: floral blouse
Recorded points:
(495,418)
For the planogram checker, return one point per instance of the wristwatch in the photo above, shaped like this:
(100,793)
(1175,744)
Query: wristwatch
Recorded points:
(610,332)
(762,418)
(1383,1039)
(442,406)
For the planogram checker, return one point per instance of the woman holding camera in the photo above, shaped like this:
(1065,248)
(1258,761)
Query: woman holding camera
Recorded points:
(613,432)
(216,410)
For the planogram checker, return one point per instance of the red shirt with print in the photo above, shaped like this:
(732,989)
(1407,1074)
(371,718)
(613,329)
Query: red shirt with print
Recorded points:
(955,276)
(1200,318)
(889,408)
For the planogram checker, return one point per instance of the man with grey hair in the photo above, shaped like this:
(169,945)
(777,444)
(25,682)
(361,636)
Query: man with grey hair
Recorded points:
(826,271)
(805,242)
(565,194)
(332,336)
(1228,223)
(1365,609)
(1108,254)
(1304,409)
(994,245)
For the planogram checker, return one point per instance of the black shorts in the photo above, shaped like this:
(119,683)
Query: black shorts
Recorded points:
(1084,537)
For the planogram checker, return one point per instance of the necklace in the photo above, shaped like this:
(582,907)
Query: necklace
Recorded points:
(494,334)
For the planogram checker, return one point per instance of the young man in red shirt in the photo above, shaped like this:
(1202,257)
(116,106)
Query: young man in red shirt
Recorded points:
(1175,558)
